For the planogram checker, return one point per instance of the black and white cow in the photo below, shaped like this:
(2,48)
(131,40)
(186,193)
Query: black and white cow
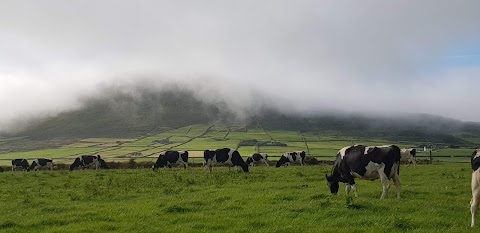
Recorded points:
(19,163)
(292,157)
(366,162)
(224,156)
(475,161)
(167,158)
(40,164)
(88,161)
(257,158)
(409,155)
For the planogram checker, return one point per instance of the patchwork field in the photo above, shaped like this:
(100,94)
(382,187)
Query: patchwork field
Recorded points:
(435,198)
(197,138)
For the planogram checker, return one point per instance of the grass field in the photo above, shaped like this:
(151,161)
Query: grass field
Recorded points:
(201,137)
(435,198)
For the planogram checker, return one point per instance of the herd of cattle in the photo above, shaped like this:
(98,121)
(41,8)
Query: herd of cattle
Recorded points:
(366,162)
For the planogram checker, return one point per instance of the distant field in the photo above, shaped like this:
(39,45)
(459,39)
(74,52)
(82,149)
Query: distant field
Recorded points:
(435,198)
(197,138)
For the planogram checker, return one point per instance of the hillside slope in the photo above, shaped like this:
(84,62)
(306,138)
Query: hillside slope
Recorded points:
(125,116)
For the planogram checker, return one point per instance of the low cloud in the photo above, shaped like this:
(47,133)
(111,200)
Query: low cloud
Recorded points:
(305,57)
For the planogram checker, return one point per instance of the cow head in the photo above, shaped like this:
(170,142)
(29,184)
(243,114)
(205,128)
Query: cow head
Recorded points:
(281,161)
(244,167)
(102,162)
(413,152)
(332,184)
(77,163)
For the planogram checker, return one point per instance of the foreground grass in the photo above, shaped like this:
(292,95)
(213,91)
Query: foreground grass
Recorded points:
(295,199)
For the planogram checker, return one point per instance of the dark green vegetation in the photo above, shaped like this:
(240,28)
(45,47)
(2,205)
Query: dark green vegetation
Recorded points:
(435,198)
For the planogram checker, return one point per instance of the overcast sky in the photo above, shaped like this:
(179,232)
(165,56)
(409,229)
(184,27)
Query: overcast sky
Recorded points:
(393,56)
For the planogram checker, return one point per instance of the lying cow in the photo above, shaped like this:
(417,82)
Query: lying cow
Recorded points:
(292,157)
(88,161)
(224,156)
(475,162)
(370,163)
(257,158)
(408,155)
(20,163)
(40,164)
(167,158)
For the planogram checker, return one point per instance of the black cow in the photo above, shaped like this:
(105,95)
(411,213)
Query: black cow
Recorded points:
(40,164)
(167,158)
(224,156)
(292,157)
(256,158)
(22,163)
(475,162)
(92,161)
(368,163)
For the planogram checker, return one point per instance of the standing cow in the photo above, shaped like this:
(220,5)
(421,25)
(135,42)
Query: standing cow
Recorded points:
(475,162)
(20,163)
(257,158)
(409,155)
(167,158)
(366,162)
(292,157)
(88,161)
(224,156)
(40,164)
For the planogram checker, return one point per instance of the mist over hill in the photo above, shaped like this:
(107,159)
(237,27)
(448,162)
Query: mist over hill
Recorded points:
(121,114)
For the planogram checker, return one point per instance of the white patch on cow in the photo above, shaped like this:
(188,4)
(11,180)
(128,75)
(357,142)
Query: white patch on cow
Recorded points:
(372,172)
(342,151)
(477,154)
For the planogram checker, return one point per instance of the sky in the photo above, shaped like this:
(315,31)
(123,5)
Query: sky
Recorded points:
(300,56)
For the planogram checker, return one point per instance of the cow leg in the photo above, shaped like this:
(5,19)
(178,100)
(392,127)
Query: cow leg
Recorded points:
(385,183)
(396,180)
(185,165)
(355,190)
(347,189)
(475,197)
(266,163)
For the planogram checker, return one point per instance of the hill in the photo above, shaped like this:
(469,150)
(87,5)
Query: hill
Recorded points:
(122,115)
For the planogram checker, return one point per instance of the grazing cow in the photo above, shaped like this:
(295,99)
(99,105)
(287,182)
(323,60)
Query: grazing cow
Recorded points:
(22,163)
(41,163)
(256,158)
(292,157)
(92,161)
(224,156)
(475,161)
(167,158)
(366,162)
(408,155)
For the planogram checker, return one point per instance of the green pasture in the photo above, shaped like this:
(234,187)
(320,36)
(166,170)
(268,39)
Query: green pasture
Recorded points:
(197,138)
(435,198)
